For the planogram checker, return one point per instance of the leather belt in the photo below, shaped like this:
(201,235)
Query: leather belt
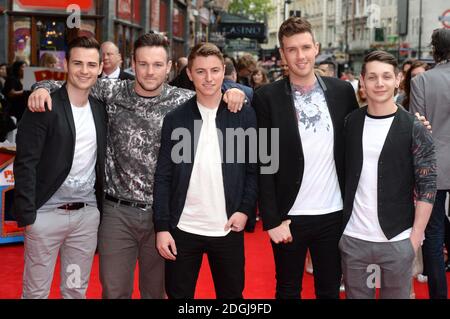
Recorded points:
(127,203)
(72,206)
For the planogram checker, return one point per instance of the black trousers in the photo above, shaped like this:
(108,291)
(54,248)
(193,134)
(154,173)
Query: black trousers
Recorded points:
(226,259)
(321,235)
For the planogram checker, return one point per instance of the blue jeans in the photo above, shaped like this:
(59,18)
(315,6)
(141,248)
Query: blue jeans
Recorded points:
(433,255)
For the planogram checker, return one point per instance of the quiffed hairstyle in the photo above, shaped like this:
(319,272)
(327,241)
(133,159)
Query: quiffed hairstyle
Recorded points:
(151,40)
(380,56)
(83,42)
(440,41)
(204,50)
(292,26)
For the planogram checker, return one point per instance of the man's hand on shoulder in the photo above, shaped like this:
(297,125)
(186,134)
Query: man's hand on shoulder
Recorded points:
(424,121)
(235,99)
(38,99)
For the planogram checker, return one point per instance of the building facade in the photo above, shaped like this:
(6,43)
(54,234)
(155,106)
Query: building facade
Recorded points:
(350,28)
(419,34)
(34,27)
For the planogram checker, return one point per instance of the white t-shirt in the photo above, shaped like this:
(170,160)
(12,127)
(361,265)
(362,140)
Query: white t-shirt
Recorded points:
(319,192)
(85,156)
(79,184)
(204,211)
(364,223)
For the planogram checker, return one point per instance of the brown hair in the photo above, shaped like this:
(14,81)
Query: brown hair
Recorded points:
(265,80)
(440,41)
(47,59)
(406,83)
(380,56)
(151,40)
(204,50)
(246,62)
(361,95)
(83,42)
(407,62)
(292,26)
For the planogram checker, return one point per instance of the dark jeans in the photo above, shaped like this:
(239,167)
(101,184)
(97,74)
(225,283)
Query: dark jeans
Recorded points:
(447,237)
(226,259)
(321,235)
(433,255)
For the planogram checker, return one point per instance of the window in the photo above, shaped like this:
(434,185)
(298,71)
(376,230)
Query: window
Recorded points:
(22,39)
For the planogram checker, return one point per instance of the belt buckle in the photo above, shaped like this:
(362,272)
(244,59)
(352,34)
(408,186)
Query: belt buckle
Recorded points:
(134,205)
(140,206)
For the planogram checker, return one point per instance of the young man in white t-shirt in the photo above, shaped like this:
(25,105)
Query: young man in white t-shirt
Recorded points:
(301,202)
(389,156)
(202,195)
(59,171)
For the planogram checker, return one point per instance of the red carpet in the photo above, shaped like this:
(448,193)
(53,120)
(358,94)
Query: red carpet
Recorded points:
(259,284)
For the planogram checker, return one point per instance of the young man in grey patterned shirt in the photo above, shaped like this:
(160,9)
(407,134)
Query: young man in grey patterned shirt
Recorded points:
(135,110)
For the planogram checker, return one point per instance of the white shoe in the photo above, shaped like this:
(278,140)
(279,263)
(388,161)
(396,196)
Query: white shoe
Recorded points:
(421,278)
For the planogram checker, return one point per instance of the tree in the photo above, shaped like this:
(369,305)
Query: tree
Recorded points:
(252,9)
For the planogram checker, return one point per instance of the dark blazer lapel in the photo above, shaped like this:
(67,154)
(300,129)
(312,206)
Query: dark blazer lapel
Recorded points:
(330,98)
(222,129)
(358,135)
(287,107)
(332,102)
(98,120)
(68,111)
(195,129)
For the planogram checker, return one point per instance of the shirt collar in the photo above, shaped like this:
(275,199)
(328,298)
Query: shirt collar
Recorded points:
(113,75)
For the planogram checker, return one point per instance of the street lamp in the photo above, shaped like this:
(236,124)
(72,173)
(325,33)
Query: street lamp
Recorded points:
(420,30)
(346,28)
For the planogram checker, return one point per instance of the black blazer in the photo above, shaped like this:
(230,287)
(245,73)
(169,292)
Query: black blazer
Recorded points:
(125,75)
(274,107)
(45,149)
(172,179)
(122,75)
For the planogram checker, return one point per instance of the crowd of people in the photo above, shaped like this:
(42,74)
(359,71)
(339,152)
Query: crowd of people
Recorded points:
(147,172)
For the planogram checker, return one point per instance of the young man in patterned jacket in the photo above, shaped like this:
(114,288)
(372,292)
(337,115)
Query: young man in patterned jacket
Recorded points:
(135,110)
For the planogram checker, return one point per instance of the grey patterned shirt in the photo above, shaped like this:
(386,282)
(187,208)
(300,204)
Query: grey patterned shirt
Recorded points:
(134,132)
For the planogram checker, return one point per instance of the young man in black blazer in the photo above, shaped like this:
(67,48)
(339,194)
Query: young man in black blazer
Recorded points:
(204,192)
(301,203)
(59,170)
(389,158)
